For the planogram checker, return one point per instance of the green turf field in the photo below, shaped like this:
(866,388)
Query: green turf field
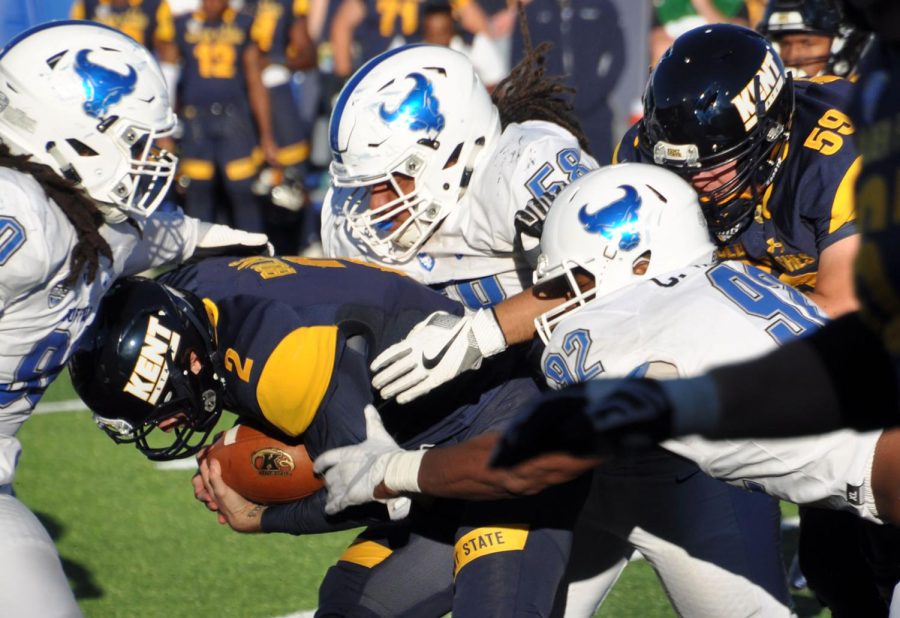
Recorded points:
(135,543)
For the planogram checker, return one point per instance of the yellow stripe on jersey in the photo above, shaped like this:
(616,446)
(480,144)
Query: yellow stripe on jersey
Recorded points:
(77,11)
(293,153)
(296,376)
(843,210)
(484,541)
(800,282)
(366,553)
(301,8)
(197,169)
(241,169)
(165,24)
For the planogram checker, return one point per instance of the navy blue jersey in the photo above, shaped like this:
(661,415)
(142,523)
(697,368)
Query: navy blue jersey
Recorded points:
(272,20)
(212,69)
(387,19)
(810,204)
(145,21)
(877,115)
(295,337)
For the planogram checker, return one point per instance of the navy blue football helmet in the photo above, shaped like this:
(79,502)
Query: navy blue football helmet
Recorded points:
(719,95)
(135,369)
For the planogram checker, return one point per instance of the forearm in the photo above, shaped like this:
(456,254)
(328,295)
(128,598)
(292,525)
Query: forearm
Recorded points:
(308,516)
(259,106)
(462,471)
(516,314)
(349,14)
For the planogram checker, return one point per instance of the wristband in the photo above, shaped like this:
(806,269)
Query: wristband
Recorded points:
(487,333)
(401,472)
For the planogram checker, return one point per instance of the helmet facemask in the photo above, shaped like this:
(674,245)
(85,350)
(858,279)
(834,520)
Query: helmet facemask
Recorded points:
(757,158)
(94,102)
(619,225)
(149,369)
(414,120)
(196,410)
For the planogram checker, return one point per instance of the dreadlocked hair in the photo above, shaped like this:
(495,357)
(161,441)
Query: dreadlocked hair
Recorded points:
(527,93)
(79,209)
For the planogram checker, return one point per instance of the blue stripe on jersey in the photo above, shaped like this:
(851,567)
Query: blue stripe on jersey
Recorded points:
(338,111)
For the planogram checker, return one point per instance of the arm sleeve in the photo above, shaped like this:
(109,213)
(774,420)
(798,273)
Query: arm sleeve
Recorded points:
(168,237)
(308,516)
(841,220)
(841,376)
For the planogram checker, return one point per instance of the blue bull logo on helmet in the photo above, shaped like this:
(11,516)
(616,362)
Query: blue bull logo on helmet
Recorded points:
(102,87)
(618,219)
(419,108)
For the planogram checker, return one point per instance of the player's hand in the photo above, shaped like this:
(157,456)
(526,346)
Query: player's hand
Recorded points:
(269,150)
(353,473)
(200,491)
(232,508)
(594,418)
(217,239)
(435,351)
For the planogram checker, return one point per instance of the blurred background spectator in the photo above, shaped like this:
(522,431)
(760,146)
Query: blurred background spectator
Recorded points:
(589,50)
(220,97)
(672,18)
(362,29)
(280,30)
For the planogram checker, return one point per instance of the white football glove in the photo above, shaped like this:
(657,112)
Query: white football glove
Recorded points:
(435,351)
(353,472)
(223,240)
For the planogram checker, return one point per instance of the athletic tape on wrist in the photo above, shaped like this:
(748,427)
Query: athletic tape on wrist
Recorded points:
(487,332)
(401,473)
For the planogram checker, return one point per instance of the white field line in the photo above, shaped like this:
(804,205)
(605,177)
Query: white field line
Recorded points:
(67,405)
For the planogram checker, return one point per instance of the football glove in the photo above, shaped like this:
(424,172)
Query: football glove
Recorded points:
(353,472)
(530,220)
(594,418)
(435,351)
(216,239)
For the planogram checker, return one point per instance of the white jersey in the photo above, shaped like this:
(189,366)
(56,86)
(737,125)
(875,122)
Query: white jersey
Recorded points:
(473,256)
(688,322)
(41,317)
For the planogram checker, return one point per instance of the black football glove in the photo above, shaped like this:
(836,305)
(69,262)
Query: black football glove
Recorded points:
(594,418)
(530,220)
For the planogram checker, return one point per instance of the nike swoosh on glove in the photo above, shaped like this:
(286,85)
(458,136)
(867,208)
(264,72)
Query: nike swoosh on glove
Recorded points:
(353,472)
(223,240)
(594,418)
(435,351)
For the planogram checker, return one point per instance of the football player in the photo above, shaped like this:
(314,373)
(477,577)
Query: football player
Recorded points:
(813,37)
(432,178)
(815,382)
(280,30)
(225,109)
(286,342)
(81,106)
(618,232)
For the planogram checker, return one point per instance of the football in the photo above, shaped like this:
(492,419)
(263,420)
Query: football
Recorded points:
(262,468)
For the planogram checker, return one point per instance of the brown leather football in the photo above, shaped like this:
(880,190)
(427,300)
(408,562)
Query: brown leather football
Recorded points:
(262,468)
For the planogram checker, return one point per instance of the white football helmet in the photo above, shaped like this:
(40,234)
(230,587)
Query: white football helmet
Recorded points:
(419,111)
(89,101)
(610,219)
